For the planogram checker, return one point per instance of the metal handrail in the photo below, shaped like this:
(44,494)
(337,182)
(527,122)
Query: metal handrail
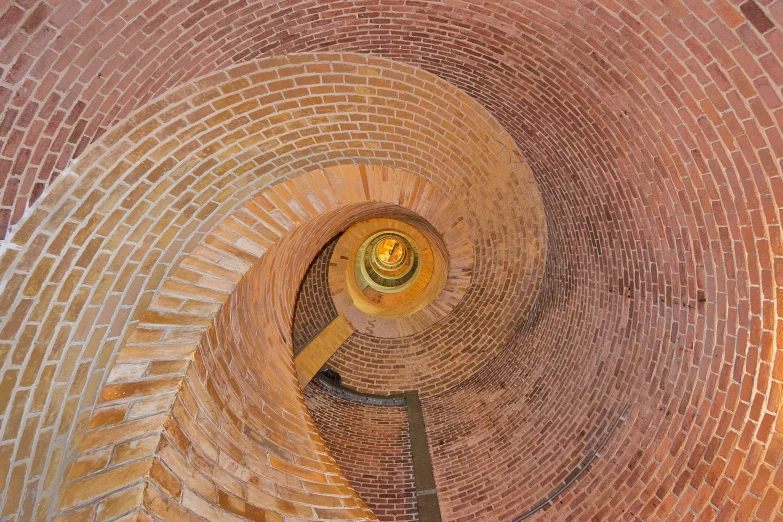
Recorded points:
(580,469)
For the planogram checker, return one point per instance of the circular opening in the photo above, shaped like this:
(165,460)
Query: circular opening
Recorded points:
(390,251)
(388,262)
(384,271)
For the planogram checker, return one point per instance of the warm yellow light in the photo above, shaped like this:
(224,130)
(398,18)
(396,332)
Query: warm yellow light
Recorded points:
(390,251)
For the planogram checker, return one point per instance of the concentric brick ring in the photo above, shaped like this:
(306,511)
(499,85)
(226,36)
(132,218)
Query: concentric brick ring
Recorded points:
(388,261)
(407,308)
(655,133)
(176,168)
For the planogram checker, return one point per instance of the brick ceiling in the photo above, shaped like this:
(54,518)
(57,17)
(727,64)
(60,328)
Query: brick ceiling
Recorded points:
(617,163)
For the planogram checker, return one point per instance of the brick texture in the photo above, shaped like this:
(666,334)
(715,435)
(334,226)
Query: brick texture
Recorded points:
(637,261)
(314,308)
(113,239)
(372,446)
(212,415)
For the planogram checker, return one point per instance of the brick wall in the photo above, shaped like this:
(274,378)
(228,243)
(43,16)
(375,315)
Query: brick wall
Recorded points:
(314,308)
(653,130)
(446,262)
(372,446)
(92,256)
(201,417)
(204,392)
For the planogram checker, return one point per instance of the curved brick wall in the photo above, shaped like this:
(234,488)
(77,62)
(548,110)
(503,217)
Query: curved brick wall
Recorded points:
(372,446)
(143,197)
(202,414)
(410,311)
(314,308)
(653,130)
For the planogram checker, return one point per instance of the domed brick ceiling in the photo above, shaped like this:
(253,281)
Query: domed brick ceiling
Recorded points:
(171,170)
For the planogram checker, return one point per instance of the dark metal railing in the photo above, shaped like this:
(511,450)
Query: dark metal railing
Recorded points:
(574,475)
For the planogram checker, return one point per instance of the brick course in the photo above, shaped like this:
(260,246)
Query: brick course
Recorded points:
(371,444)
(132,209)
(653,130)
